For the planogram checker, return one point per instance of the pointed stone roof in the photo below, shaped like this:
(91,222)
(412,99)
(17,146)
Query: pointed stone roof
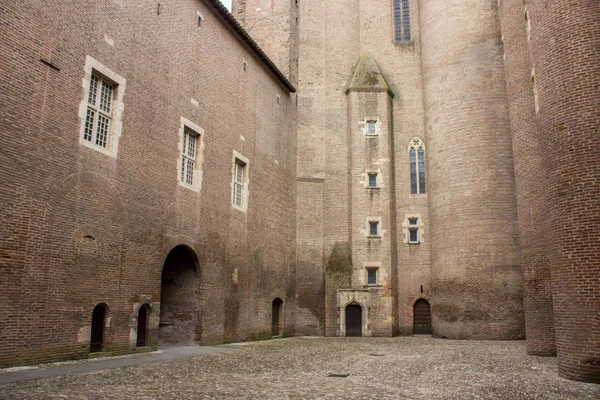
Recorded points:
(368,78)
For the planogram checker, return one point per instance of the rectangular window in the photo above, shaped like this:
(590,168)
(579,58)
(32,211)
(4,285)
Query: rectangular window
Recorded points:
(371,276)
(188,156)
(402,21)
(238,183)
(99,108)
(413,230)
(373,180)
(373,228)
(371,128)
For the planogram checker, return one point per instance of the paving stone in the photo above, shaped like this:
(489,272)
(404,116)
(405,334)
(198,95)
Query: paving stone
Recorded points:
(299,368)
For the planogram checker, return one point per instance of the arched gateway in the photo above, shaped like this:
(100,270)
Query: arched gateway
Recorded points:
(179,298)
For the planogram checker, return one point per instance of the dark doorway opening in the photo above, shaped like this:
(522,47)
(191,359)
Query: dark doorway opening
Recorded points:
(353,320)
(179,298)
(97,336)
(142,326)
(277,317)
(422,318)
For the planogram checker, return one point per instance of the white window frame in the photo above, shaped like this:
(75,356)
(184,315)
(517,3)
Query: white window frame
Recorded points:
(239,159)
(93,68)
(368,121)
(187,127)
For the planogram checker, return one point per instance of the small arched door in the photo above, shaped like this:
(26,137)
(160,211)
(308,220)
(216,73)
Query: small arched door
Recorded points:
(276,317)
(353,320)
(422,318)
(97,335)
(142,326)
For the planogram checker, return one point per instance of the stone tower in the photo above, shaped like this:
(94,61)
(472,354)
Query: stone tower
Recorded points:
(557,69)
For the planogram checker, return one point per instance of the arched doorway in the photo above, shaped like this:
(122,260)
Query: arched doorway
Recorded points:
(97,334)
(142,326)
(422,318)
(277,317)
(353,320)
(179,300)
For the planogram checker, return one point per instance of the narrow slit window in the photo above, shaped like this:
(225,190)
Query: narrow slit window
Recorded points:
(416,152)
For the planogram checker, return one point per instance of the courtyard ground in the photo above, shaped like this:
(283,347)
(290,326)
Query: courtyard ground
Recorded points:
(318,368)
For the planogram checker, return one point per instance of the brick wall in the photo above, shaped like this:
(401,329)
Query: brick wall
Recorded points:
(529,176)
(476,271)
(565,39)
(81,228)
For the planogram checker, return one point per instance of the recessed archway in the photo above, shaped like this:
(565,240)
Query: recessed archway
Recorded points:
(277,317)
(353,320)
(179,298)
(97,329)
(142,326)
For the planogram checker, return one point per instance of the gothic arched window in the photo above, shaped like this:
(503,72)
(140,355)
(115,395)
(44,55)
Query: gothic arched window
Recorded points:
(416,150)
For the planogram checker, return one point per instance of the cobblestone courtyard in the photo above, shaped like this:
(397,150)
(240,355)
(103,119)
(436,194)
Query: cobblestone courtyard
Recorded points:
(300,368)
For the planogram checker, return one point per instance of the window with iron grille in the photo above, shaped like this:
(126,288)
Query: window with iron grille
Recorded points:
(99,111)
(238,183)
(417,167)
(402,21)
(188,156)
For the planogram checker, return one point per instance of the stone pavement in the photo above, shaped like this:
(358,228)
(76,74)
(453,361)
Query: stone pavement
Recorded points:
(170,353)
(326,368)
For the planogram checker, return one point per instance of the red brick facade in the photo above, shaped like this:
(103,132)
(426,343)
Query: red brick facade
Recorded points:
(501,242)
(81,227)
(561,48)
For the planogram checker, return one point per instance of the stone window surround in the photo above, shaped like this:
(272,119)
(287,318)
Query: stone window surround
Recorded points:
(116,126)
(381,275)
(245,191)
(372,171)
(416,146)
(363,125)
(407,227)
(186,123)
(367,230)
